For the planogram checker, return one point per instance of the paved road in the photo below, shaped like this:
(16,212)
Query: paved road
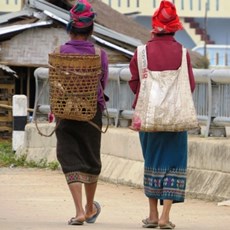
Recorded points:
(33,199)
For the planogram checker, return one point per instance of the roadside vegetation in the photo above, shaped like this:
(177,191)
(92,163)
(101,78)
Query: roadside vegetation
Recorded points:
(9,159)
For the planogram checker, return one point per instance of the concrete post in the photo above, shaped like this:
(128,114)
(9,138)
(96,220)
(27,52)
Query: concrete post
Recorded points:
(19,120)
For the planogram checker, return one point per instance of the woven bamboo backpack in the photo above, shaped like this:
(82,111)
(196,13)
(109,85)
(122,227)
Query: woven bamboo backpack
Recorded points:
(74,81)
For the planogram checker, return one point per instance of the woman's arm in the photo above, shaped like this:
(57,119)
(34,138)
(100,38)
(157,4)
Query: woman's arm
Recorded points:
(190,73)
(134,82)
(105,69)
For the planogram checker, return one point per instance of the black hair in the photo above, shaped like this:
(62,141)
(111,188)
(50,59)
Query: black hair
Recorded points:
(164,34)
(87,31)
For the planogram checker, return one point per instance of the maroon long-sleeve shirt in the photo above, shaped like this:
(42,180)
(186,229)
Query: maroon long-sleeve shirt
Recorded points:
(163,53)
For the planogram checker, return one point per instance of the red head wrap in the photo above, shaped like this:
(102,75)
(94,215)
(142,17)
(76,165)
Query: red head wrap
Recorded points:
(165,19)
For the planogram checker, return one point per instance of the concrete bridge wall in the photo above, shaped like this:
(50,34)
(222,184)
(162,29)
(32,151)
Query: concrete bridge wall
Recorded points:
(208,161)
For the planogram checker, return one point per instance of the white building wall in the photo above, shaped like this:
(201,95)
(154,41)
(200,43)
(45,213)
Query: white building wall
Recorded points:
(185,8)
(11,5)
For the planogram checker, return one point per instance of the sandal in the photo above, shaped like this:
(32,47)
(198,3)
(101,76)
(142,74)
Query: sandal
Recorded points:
(149,224)
(75,221)
(169,225)
(93,218)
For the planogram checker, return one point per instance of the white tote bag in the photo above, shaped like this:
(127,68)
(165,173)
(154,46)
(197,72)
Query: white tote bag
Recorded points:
(165,100)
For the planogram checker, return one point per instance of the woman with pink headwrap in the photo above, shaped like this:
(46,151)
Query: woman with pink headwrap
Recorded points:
(78,142)
(165,153)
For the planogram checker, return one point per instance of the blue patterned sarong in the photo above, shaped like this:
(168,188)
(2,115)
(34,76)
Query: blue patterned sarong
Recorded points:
(165,157)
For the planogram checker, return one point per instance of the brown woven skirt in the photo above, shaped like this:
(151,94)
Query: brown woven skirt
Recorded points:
(78,149)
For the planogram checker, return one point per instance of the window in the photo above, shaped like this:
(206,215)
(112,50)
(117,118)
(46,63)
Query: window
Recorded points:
(217,5)
(191,5)
(138,3)
(7,2)
(182,4)
(208,5)
(128,3)
(119,3)
(199,5)
(154,4)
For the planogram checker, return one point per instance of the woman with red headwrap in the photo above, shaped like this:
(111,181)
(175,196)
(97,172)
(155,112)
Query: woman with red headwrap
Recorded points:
(78,142)
(165,153)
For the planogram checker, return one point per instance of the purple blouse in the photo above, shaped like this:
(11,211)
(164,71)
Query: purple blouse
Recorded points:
(87,47)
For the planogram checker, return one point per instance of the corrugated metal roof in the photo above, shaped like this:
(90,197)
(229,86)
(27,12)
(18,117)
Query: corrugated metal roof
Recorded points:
(62,16)
(102,41)
(14,28)
(43,5)
(8,70)
(4,18)
(117,36)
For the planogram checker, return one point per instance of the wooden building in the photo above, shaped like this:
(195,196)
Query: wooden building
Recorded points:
(28,36)
(7,90)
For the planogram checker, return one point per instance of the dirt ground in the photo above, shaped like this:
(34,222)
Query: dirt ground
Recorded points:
(34,199)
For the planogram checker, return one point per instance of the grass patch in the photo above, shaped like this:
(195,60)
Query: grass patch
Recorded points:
(7,156)
(9,159)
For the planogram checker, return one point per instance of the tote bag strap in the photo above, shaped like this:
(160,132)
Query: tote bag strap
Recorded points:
(142,61)
(184,58)
(184,67)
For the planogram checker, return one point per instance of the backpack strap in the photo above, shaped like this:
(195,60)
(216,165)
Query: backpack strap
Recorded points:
(57,50)
(97,51)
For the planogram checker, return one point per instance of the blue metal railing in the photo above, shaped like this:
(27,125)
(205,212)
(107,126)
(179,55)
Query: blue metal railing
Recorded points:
(211,96)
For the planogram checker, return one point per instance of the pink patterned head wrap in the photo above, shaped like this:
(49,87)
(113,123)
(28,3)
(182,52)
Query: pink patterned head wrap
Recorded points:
(81,15)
